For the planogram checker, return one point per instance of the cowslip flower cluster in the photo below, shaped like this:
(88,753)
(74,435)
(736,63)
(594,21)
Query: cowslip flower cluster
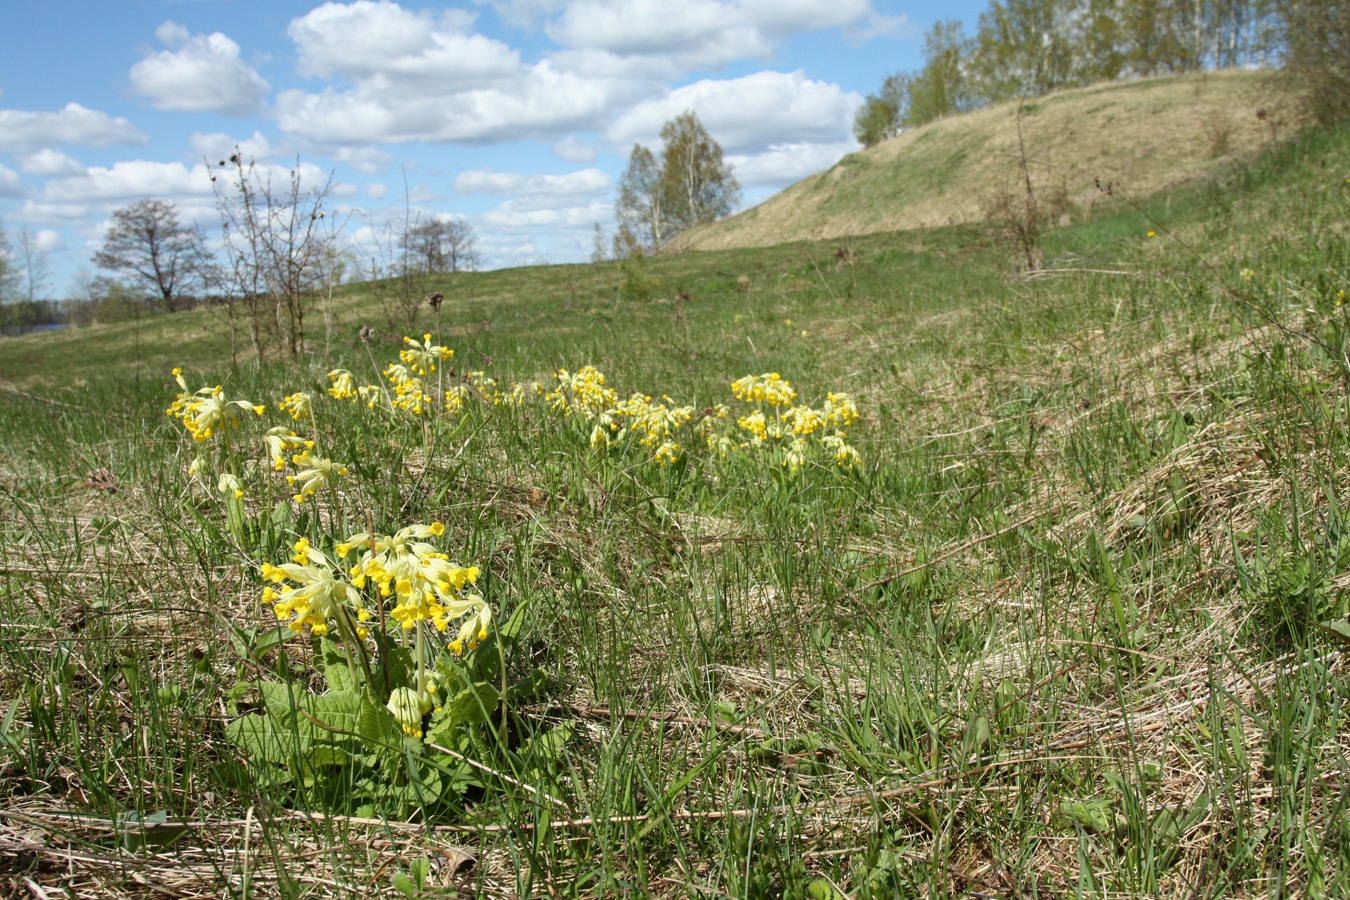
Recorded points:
(205,412)
(654,425)
(781,426)
(298,405)
(311,592)
(313,474)
(775,423)
(343,386)
(422,357)
(425,585)
(581,393)
(280,441)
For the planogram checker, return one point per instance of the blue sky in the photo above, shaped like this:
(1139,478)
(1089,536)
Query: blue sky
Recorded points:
(515,115)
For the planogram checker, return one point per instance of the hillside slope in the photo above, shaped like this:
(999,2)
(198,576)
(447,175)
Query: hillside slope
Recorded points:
(1140,135)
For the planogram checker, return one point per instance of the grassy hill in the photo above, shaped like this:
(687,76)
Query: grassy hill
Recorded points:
(1144,136)
(1073,625)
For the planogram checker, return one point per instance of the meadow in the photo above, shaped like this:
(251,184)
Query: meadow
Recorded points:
(1067,619)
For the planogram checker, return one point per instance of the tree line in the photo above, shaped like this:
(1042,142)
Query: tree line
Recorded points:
(281,253)
(1025,48)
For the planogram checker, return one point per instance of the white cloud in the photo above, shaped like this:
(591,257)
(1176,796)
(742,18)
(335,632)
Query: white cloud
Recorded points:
(366,160)
(701,33)
(47,241)
(131,180)
(402,76)
(10,183)
(514,214)
(217,146)
(575,150)
(203,73)
(783,165)
(50,163)
(748,114)
(381,39)
(377,190)
(573,184)
(541,102)
(22,132)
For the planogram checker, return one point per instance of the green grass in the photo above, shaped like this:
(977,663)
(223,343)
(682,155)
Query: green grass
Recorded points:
(1059,635)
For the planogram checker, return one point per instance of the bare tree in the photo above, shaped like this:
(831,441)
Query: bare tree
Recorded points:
(161,256)
(275,241)
(442,245)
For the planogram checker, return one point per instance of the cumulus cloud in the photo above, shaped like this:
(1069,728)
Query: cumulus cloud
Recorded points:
(783,165)
(575,150)
(366,160)
(23,132)
(748,114)
(218,146)
(381,39)
(516,214)
(46,241)
(131,180)
(10,183)
(200,73)
(402,76)
(704,33)
(542,102)
(50,163)
(573,184)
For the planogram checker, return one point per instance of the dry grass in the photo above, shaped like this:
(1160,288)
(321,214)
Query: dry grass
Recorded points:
(1144,136)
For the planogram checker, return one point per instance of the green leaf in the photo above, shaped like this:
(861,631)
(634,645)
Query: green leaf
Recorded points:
(377,725)
(475,704)
(1094,815)
(820,889)
(510,630)
(263,737)
(1338,629)
(153,830)
(527,688)
(337,669)
(338,714)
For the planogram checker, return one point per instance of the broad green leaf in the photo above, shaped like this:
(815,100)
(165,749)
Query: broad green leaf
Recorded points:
(474,704)
(1338,629)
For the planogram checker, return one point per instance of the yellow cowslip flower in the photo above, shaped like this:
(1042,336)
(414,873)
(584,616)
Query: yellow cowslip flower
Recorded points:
(317,473)
(205,412)
(428,587)
(757,425)
(370,394)
(406,707)
(770,388)
(409,390)
(795,455)
(583,393)
(844,455)
(311,590)
(1247,274)
(280,441)
(344,385)
(804,420)
(230,486)
(474,629)
(298,405)
(667,454)
(1153,234)
(840,410)
(422,358)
